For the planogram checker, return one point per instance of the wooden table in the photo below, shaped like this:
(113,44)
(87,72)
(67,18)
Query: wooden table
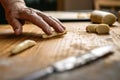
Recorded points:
(48,51)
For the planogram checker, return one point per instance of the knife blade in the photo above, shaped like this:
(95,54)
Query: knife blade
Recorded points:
(71,62)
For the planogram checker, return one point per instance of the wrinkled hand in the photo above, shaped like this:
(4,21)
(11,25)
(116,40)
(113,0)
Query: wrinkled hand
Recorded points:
(18,13)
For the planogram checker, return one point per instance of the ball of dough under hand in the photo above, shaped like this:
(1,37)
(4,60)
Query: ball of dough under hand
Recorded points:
(54,34)
(103,17)
(102,29)
(22,46)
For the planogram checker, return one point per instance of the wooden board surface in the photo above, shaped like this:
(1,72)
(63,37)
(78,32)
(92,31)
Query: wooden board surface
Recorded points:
(48,51)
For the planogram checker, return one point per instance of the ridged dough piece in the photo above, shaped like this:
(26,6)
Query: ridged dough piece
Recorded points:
(102,29)
(91,28)
(102,17)
(54,34)
(22,46)
(98,28)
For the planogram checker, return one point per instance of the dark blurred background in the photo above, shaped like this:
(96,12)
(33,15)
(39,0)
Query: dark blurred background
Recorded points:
(42,4)
(69,5)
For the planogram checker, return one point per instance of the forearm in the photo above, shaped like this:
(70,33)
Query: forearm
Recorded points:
(10,4)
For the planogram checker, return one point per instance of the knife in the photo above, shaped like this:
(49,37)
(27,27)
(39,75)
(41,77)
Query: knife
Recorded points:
(71,62)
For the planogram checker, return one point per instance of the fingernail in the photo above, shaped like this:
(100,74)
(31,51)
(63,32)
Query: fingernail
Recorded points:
(63,27)
(62,30)
(49,32)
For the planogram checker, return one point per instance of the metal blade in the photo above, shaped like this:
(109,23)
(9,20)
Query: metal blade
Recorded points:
(38,74)
(71,62)
(75,61)
(101,51)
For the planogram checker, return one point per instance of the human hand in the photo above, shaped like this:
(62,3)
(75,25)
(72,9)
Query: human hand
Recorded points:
(17,13)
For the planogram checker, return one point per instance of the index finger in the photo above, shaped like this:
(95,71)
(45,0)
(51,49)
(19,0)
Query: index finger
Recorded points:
(53,22)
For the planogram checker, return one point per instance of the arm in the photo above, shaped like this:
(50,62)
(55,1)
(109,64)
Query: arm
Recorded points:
(17,13)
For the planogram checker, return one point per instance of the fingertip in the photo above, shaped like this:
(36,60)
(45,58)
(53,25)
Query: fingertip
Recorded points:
(17,31)
(63,27)
(16,25)
(48,31)
(60,29)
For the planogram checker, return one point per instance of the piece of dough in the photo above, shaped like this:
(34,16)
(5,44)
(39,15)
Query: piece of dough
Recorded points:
(102,29)
(22,46)
(103,17)
(91,28)
(98,28)
(54,34)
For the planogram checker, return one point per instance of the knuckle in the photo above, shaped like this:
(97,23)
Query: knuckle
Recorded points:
(26,11)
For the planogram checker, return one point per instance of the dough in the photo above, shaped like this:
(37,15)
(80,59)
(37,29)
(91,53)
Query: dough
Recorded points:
(22,46)
(91,28)
(98,28)
(102,29)
(102,17)
(54,34)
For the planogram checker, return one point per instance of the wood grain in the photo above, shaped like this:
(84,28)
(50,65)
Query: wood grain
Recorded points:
(47,51)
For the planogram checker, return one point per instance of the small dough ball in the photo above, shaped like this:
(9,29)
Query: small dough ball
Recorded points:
(54,34)
(91,28)
(22,46)
(102,29)
(103,17)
